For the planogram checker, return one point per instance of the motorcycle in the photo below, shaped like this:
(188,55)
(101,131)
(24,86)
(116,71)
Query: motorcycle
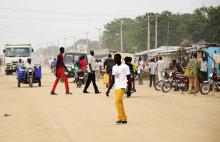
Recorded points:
(159,83)
(177,82)
(80,78)
(212,83)
(29,76)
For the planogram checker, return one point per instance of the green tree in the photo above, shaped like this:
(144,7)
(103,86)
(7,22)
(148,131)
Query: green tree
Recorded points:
(173,28)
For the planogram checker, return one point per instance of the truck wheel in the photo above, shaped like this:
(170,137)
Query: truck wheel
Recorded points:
(39,82)
(30,82)
(19,83)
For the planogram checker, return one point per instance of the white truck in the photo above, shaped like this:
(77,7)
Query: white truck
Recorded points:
(14,52)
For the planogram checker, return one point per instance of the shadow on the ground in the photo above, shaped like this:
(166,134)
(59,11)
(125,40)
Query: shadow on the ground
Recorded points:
(26,86)
(139,97)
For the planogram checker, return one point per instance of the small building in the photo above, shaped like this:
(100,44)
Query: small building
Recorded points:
(168,53)
(212,54)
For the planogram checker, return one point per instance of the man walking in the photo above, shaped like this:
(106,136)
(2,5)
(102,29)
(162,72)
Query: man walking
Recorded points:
(160,68)
(152,71)
(91,74)
(108,64)
(140,65)
(121,78)
(204,70)
(60,66)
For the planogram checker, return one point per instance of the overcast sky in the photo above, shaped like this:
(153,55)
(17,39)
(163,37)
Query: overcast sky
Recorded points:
(43,22)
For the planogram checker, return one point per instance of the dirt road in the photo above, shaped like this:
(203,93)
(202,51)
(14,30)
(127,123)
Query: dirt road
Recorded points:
(36,116)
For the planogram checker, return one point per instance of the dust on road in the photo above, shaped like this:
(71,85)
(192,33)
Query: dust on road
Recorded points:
(36,116)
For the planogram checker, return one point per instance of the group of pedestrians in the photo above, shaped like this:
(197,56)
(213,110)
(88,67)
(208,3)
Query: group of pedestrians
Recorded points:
(60,67)
(123,75)
(119,72)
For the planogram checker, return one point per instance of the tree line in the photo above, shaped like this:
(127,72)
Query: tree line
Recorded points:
(172,29)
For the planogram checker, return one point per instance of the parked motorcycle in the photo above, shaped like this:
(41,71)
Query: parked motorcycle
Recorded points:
(177,82)
(159,83)
(212,83)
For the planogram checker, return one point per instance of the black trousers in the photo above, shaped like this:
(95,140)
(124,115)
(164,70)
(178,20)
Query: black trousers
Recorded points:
(140,78)
(110,79)
(203,76)
(91,77)
(152,79)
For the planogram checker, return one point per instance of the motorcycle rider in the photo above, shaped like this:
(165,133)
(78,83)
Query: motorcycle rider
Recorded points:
(20,64)
(82,63)
(80,67)
(29,64)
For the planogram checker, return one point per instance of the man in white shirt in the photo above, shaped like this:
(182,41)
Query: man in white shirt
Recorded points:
(160,68)
(29,64)
(204,69)
(152,71)
(91,74)
(140,68)
(121,79)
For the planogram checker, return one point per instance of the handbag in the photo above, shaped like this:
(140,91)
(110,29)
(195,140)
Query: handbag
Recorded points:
(106,78)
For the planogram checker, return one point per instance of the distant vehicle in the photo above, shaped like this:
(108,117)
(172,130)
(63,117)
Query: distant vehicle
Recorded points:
(12,55)
(29,75)
(70,59)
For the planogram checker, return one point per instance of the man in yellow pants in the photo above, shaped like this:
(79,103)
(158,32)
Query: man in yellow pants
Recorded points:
(121,79)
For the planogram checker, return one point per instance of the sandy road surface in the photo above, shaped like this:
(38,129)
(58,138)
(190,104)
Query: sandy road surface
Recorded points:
(36,116)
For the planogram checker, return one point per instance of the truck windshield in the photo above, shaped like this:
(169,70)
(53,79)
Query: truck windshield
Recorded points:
(17,52)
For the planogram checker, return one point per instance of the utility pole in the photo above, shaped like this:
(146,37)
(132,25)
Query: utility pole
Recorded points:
(99,38)
(65,42)
(87,39)
(205,24)
(47,49)
(121,26)
(168,31)
(74,41)
(58,45)
(156,31)
(52,50)
(148,35)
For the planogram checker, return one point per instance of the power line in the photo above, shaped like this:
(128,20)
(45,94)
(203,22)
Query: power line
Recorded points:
(47,19)
(61,12)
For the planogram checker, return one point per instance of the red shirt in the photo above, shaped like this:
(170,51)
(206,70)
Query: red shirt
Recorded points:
(82,64)
(60,61)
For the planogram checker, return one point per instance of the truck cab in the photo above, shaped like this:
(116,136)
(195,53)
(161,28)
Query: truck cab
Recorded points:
(12,55)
